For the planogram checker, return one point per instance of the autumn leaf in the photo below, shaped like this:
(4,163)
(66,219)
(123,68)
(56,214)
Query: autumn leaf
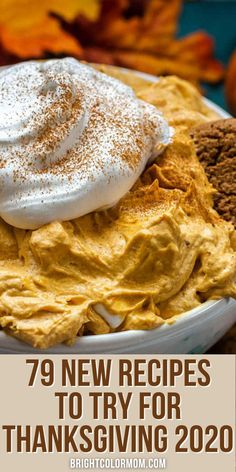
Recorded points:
(147,42)
(27,28)
(137,34)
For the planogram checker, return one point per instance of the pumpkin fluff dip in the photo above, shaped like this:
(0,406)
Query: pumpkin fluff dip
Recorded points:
(107,220)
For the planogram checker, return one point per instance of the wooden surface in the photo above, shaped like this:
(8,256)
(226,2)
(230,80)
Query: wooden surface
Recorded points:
(227,345)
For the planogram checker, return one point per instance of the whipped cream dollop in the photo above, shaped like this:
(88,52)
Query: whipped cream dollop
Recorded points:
(72,140)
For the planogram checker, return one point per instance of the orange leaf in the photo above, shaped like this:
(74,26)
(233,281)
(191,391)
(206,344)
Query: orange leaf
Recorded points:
(212,70)
(28,30)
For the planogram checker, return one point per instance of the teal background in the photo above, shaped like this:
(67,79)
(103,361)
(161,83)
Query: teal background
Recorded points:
(218,18)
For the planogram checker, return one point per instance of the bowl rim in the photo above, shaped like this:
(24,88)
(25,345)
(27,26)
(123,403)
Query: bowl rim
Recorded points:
(163,333)
(180,322)
(154,79)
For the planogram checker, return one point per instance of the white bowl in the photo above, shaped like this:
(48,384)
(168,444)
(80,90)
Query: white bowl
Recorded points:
(194,332)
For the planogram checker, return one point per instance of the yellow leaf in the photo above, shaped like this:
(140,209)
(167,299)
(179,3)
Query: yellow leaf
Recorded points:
(69,9)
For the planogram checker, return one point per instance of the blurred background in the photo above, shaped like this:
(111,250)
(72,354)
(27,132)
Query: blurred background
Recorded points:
(195,39)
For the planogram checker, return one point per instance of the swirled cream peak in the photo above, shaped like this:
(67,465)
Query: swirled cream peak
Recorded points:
(72,140)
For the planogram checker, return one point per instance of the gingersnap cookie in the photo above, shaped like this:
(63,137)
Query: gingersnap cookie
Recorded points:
(215,144)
